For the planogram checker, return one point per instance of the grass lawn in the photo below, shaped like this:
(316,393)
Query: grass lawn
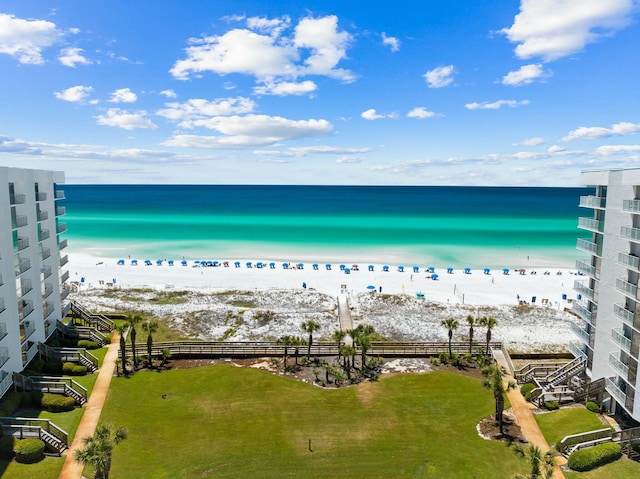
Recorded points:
(623,468)
(566,421)
(223,421)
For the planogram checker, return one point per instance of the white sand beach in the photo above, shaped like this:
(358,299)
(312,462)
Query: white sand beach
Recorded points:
(410,307)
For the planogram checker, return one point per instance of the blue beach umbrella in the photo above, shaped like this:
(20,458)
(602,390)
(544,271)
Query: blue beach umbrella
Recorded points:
(314,265)
(416,269)
(487,271)
(401,269)
(372,287)
(467,271)
(285,265)
(328,266)
(505,271)
(272,265)
(450,270)
(434,277)
(248,264)
(237,264)
(347,271)
(371,268)
(183,262)
(300,265)
(431,269)
(385,268)
(342,267)
(170,262)
(134,262)
(120,261)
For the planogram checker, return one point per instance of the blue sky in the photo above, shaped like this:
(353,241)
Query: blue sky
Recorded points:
(432,92)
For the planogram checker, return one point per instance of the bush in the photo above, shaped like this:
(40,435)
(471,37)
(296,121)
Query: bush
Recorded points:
(587,459)
(73,369)
(9,403)
(526,389)
(86,344)
(593,406)
(443,357)
(57,403)
(552,405)
(29,451)
(6,447)
(52,367)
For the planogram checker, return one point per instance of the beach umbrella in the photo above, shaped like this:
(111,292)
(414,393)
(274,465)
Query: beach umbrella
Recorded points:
(216,263)
(300,265)
(170,262)
(385,268)
(237,264)
(449,270)
(134,262)
(120,261)
(342,267)
(431,269)
(183,262)
(467,271)
(248,264)
(285,265)
(505,271)
(272,265)
(347,271)
(434,276)
(372,287)
(328,266)
(314,265)
(371,267)
(147,262)
(487,271)
(416,269)
(401,269)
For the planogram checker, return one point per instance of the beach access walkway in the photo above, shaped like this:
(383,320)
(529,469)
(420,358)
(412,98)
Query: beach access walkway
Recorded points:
(72,469)
(524,415)
(344,317)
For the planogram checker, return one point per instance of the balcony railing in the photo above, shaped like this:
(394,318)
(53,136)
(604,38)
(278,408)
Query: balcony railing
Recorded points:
(583,289)
(61,228)
(583,312)
(631,206)
(23,265)
(59,194)
(581,333)
(64,293)
(41,196)
(630,261)
(616,392)
(626,288)
(25,287)
(4,356)
(46,272)
(61,211)
(46,252)
(577,349)
(62,244)
(25,308)
(64,276)
(618,365)
(64,260)
(585,268)
(42,215)
(29,354)
(621,340)
(1,281)
(29,328)
(19,221)
(47,291)
(47,309)
(590,224)
(3,330)
(22,243)
(592,201)
(589,247)
(632,234)
(44,235)
(2,308)
(17,199)
(623,313)
(6,381)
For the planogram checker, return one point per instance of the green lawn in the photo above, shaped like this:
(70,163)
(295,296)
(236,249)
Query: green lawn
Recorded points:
(225,422)
(566,421)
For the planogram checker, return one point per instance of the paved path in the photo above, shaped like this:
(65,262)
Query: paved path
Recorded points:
(346,324)
(524,415)
(72,469)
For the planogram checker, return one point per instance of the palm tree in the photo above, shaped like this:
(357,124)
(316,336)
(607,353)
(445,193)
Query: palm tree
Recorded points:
(289,341)
(541,464)
(98,449)
(489,323)
(122,329)
(132,321)
(310,327)
(150,327)
(364,341)
(296,342)
(451,324)
(495,382)
(471,321)
(347,352)
(338,337)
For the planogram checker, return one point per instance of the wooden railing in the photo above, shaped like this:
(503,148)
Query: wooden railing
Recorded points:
(43,429)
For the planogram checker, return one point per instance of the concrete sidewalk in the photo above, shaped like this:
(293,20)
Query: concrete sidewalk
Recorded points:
(72,469)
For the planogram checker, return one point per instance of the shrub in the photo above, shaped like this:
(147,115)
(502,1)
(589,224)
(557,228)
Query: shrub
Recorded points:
(443,357)
(86,344)
(526,389)
(57,403)
(552,405)
(73,369)
(9,403)
(29,451)
(6,446)
(587,459)
(593,406)
(52,367)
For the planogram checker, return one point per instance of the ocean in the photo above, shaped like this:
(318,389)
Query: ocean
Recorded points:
(441,226)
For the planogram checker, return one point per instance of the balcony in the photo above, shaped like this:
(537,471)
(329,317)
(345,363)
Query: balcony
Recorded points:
(29,354)
(623,313)
(61,228)
(3,330)
(61,210)
(590,224)
(17,198)
(581,333)
(1,281)
(589,247)
(64,277)
(629,261)
(2,308)
(47,309)
(621,340)
(23,265)
(62,244)
(22,243)
(64,293)
(42,215)
(64,260)
(48,290)
(59,194)
(4,356)
(583,312)
(577,349)
(583,289)
(592,202)
(27,329)
(46,272)
(626,288)
(25,287)
(632,234)
(585,268)
(618,365)
(631,206)
(618,394)
(46,252)
(25,308)
(41,196)
(19,221)
(43,235)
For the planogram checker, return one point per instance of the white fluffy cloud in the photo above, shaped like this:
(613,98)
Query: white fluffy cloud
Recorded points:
(75,94)
(315,47)
(169,93)
(609,150)
(552,29)
(525,75)
(126,120)
(73,56)
(25,40)
(286,88)
(123,95)
(485,105)
(535,141)
(440,76)
(372,114)
(391,42)
(197,109)
(420,112)
(250,131)
(594,132)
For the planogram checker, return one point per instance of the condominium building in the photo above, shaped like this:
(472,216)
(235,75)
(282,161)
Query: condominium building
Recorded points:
(609,336)
(32,281)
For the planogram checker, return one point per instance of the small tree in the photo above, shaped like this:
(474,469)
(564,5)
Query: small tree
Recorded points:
(150,327)
(471,321)
(489,323)
(310,327)
(132,321)
(541,464)
(451,324)
(495,382)
(338,337)
(122,330)
(99,448)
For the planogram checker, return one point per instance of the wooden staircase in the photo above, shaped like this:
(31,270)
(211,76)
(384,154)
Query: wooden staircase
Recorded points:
(56,440)
(52,384)
(99,321)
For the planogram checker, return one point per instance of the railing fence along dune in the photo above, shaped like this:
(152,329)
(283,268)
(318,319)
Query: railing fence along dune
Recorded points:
(219,349)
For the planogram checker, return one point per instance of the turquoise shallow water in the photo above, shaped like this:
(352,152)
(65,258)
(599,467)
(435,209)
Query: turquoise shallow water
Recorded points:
(473,227)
